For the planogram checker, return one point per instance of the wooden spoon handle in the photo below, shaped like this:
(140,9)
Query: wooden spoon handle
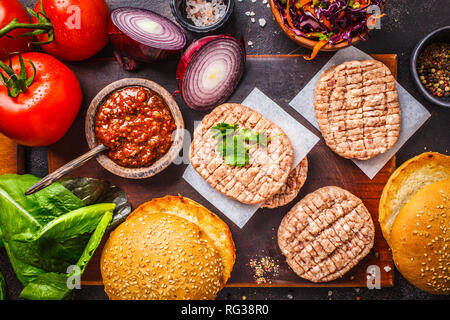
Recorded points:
(66,169)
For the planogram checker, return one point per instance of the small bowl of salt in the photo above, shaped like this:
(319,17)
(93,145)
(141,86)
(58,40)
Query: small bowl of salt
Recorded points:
(202,16)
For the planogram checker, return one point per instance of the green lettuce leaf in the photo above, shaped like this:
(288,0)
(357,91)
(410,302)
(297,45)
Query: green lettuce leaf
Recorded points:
(47,286)
(94,242)
(92,191)
(74,223)
(55,286)
(22,217)
(43,206)
(55,228)
(2,287)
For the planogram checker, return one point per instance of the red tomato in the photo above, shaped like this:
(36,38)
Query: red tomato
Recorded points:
(43,114)
(10,9)
(80,28)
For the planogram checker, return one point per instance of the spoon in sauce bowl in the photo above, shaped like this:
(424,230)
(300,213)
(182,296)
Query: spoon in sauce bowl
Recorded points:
(101,129)
(66,169)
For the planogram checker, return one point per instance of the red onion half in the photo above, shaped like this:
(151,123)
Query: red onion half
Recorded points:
(210,70)
(143,35)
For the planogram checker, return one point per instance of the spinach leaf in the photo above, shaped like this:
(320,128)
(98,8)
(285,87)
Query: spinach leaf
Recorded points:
(2,287)
(42,206)
(92,191)
(47,232)
(21,217)
(74,223)
(94,242)
(55,286)
(47,286)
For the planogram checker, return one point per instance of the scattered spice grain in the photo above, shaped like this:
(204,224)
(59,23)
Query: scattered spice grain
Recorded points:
(264,268)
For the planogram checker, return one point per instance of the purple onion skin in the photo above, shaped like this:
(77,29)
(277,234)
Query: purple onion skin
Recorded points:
(131,53)
(190,52)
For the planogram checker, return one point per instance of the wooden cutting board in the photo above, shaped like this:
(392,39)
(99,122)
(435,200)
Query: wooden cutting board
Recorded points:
(259,260)
(11,156)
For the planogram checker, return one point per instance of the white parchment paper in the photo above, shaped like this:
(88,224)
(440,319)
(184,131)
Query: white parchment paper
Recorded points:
(302,140)
(414,114)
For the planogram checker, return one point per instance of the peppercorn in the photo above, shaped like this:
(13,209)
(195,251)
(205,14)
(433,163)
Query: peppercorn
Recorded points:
(433,66)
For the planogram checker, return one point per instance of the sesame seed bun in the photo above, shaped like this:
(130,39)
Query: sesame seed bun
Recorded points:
(170,248)
(420,239)
(410,177)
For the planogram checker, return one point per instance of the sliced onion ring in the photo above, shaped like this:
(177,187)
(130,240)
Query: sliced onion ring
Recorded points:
(143,35)
(210,70)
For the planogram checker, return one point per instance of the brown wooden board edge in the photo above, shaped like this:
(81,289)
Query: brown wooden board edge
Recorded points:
(388,283)
(381,57)
(15,164)
(384,284)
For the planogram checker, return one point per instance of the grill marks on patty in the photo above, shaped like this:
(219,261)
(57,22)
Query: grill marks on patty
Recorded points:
(357,109)
(326,234)
(268,169)
(290,190)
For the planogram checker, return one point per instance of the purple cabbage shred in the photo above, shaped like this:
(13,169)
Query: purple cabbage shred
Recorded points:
(351,23)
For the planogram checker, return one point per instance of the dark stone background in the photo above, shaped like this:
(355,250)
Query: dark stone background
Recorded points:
(407,21)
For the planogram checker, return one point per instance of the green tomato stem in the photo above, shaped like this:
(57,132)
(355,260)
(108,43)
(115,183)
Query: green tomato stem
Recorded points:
(43,25)
(15,24)
(16,83)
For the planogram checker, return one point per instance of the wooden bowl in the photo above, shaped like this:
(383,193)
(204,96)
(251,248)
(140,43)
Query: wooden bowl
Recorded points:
(161,163)
(305,42)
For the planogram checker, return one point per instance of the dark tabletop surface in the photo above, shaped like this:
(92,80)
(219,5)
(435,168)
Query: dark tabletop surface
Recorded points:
(407,21)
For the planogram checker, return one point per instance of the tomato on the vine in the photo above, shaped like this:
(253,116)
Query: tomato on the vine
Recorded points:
(80,28)
(70,30)
(39,102)
(10,10)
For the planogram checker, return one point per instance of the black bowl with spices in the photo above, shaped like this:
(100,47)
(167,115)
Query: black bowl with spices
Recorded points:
(140,123)
(202,16)
(430,66)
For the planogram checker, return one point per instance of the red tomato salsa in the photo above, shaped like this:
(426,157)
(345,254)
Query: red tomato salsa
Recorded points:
(137,126)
